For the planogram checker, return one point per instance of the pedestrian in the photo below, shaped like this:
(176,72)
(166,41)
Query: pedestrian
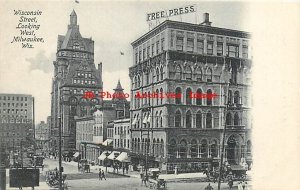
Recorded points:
(243,184)
(142,177)
(100,175)
(209,187)
(103,175)
(230,183)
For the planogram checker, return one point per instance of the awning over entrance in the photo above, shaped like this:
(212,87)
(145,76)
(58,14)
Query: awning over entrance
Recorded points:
(103,155)
(113,155)
(76,154)
(123,157)
(107,142)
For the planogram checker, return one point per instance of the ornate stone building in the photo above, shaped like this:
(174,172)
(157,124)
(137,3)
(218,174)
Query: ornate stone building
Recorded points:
(74,75)
(177,130)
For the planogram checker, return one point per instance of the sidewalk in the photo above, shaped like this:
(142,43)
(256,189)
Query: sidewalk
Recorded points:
(136,174)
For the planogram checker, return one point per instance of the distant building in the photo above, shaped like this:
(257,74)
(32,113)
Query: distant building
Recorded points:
(185,132)
(42,136)
(121,137)
(92,131)
(16,120)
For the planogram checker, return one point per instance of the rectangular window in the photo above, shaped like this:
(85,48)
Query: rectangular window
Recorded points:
(232,50)
(144,53)
(210,48)
(172,39)
(148,52)
(179,43)
(136,57)
(219,49)
(162,44)
(200,46)
(140,56)
(245,51)
(152,49)
(190,45)
(157,47)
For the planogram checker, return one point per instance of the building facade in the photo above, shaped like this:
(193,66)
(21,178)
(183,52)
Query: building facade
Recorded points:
(122,134)
(42,136)
(16,120)
(173,63)
(75,75)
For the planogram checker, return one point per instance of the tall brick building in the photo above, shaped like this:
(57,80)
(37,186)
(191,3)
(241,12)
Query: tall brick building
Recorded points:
(74,74)
(16,120)
(183,132)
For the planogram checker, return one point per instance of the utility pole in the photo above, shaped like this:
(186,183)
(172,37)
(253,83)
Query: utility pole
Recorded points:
(224,135)
(59,153)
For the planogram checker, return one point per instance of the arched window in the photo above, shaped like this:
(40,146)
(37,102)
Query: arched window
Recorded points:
(162,150)
(194,148)
(161,95)
(156,119)
(199,119)
(154,147)
(178,72)
(178,95)
(157,99)
(188,96)
(199,97)
(188,73)
(147,77)
(214,149)
(172,148)
(236,97)
(209,97)
(161,73)
(198,74)
(208,120)
(161,119)
(229,97)
(157,74)
(209,75)
(249,148)
(228,119)
(183,149)
(138,145)
(188,119)
(139,81)
(203,148)
(236,119)
(177,119)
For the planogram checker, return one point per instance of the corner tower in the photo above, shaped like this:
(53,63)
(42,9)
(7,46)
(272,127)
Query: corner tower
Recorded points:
(74,74)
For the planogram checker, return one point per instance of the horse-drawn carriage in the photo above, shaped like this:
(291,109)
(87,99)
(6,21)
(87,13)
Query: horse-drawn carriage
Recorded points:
(157,184)
(83,166)
(234,173)
(52,179)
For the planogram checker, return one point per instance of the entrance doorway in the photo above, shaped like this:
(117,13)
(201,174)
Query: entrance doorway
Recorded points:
(233,151)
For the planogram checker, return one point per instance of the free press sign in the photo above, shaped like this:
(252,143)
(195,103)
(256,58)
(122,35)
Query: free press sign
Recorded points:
(171,12)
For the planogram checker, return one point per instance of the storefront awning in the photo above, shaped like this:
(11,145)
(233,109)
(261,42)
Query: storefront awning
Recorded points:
(103,155)
(107,142)
(76,154)
(123,157)
(113,155)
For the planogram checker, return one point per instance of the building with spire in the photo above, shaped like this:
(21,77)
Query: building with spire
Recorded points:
(74,74)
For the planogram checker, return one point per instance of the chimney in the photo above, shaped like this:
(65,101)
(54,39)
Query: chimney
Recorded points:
(206,21)
(100,66)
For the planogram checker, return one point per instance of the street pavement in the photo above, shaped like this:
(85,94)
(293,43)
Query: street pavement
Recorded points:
(89,181)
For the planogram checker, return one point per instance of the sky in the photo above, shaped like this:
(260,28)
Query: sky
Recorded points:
(112,25)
